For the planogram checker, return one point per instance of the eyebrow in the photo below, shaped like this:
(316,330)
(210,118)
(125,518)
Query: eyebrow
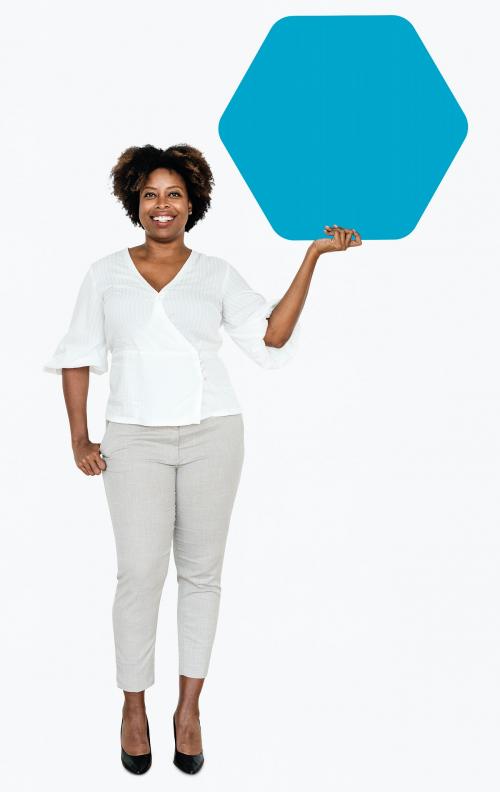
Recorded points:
(150,186)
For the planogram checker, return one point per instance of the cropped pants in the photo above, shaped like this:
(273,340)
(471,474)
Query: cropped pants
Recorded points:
(169,484)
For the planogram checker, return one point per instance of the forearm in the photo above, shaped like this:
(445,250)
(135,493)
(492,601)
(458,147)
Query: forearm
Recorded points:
(75,389)
(285,315)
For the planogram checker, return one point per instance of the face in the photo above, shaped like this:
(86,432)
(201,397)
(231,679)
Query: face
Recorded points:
(164,195)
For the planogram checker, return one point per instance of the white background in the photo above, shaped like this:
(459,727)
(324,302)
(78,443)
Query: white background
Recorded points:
(358,642)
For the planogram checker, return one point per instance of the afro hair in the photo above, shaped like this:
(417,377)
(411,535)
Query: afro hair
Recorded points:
(136,162)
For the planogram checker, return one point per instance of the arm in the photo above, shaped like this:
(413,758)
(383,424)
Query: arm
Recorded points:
(268,331)
(245,317)
(285,315)
(75,382)
(82,350)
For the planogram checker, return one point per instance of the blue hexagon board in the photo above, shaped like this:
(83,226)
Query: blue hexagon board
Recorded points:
(346,120)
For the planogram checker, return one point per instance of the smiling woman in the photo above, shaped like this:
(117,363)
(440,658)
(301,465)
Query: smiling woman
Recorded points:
(188,187)
(166,193)
(173,447)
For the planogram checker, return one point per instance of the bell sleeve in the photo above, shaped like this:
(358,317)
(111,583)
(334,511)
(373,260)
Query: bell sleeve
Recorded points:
(84,343)
(244,317)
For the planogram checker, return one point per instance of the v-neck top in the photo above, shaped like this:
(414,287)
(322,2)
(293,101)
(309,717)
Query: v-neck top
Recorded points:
(165,364)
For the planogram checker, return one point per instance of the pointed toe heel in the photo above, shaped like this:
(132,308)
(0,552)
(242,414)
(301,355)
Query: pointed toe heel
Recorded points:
(188,763)
(136,764)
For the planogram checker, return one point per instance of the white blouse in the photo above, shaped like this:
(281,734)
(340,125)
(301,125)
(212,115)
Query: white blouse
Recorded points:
(165,367)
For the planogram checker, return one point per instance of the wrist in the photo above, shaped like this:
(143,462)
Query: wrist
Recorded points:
(312,255)
(313,252)
(80,439)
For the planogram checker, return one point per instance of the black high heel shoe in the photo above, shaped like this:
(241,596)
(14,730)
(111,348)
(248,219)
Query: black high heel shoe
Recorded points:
(188,763)
(136,764)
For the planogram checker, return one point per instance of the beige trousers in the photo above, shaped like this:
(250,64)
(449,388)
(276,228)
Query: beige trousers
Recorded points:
(169,484)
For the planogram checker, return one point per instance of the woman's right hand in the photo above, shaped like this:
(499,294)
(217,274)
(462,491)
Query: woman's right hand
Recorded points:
(88,458)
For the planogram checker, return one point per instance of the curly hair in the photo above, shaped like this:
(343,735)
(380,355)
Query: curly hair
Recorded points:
(136,162)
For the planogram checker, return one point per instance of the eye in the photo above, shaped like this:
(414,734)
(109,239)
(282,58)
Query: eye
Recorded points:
(173,192)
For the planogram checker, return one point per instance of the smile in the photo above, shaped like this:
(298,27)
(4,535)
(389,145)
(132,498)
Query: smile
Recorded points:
(163,219)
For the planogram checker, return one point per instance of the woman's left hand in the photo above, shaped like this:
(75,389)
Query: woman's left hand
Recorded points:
(341,239)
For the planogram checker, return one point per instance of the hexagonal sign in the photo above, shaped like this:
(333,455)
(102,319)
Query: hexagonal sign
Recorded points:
(346,120)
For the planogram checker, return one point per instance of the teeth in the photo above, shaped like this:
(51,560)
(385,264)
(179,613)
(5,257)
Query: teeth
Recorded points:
(163,218)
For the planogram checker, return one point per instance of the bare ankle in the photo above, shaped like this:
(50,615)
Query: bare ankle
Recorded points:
(186,712)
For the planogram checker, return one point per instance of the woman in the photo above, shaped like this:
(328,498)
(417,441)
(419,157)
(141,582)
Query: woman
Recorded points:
(172,452)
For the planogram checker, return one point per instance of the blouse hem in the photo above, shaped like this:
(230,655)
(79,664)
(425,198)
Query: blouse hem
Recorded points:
(135,420)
